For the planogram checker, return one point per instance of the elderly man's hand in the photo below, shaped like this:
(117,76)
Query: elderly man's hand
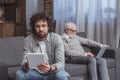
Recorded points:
(89,54)
(105,46)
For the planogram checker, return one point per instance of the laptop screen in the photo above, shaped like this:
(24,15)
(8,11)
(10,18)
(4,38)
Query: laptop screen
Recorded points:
(101,52)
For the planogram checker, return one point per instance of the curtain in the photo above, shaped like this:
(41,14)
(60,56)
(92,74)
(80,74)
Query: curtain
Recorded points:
(118,25)
(32,7)
(95,17)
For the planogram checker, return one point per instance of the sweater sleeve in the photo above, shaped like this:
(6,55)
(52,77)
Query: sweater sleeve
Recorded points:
(89,42)
(59,53)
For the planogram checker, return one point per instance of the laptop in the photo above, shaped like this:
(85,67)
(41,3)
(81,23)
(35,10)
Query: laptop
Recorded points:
(101,52)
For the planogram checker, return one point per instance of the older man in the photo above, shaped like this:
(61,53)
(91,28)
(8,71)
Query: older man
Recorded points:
(72,46)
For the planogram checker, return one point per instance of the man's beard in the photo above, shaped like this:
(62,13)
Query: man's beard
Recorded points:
(42,36)
(72,36)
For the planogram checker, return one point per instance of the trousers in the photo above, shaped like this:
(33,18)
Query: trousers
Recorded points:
(97,68)
(35,75)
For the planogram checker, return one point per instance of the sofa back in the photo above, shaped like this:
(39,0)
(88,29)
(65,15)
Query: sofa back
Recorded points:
(82,34)
(11,50)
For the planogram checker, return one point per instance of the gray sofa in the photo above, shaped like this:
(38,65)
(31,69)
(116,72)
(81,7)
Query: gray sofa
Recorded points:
(11,53)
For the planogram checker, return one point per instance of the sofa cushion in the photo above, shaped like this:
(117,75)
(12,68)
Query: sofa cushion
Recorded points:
(110,63)
(11,50)
(76,69)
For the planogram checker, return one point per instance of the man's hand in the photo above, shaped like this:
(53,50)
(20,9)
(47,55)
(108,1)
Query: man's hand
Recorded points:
(89,54)
(45,67)
(105,46)
(26,64)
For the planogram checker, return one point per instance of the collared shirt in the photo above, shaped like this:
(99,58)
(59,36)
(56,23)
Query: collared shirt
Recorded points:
(67,36)
(54,49)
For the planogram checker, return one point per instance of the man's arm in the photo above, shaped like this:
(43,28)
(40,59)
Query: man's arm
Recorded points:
(45,67)
(66,47)
(59,53)
(90,42)
(24,63)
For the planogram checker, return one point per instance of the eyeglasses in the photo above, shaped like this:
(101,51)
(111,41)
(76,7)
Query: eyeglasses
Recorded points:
(44,25)
(72,30)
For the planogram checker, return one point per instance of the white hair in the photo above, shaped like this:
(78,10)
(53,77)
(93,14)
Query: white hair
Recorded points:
(69,25)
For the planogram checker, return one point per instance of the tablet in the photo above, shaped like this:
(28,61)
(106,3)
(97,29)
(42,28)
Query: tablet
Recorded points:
(34,59)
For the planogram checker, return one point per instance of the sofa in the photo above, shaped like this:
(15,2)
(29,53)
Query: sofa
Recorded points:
(11,54)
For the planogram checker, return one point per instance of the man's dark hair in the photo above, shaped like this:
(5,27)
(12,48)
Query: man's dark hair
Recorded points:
(36,17)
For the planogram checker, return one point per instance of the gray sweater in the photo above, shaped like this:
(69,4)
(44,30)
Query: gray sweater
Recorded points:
(73,46)
(54,48)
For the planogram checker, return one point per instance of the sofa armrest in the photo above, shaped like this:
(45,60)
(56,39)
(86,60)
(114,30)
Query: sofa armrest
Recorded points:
(3,71)
(117,58)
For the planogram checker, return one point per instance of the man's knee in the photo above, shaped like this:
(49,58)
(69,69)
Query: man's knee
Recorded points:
(33,75)
(61,75)
(20,75)
(92,60)
(101,61)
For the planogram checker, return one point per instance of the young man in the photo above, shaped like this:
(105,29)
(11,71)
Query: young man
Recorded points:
(43,41)
(72,46)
